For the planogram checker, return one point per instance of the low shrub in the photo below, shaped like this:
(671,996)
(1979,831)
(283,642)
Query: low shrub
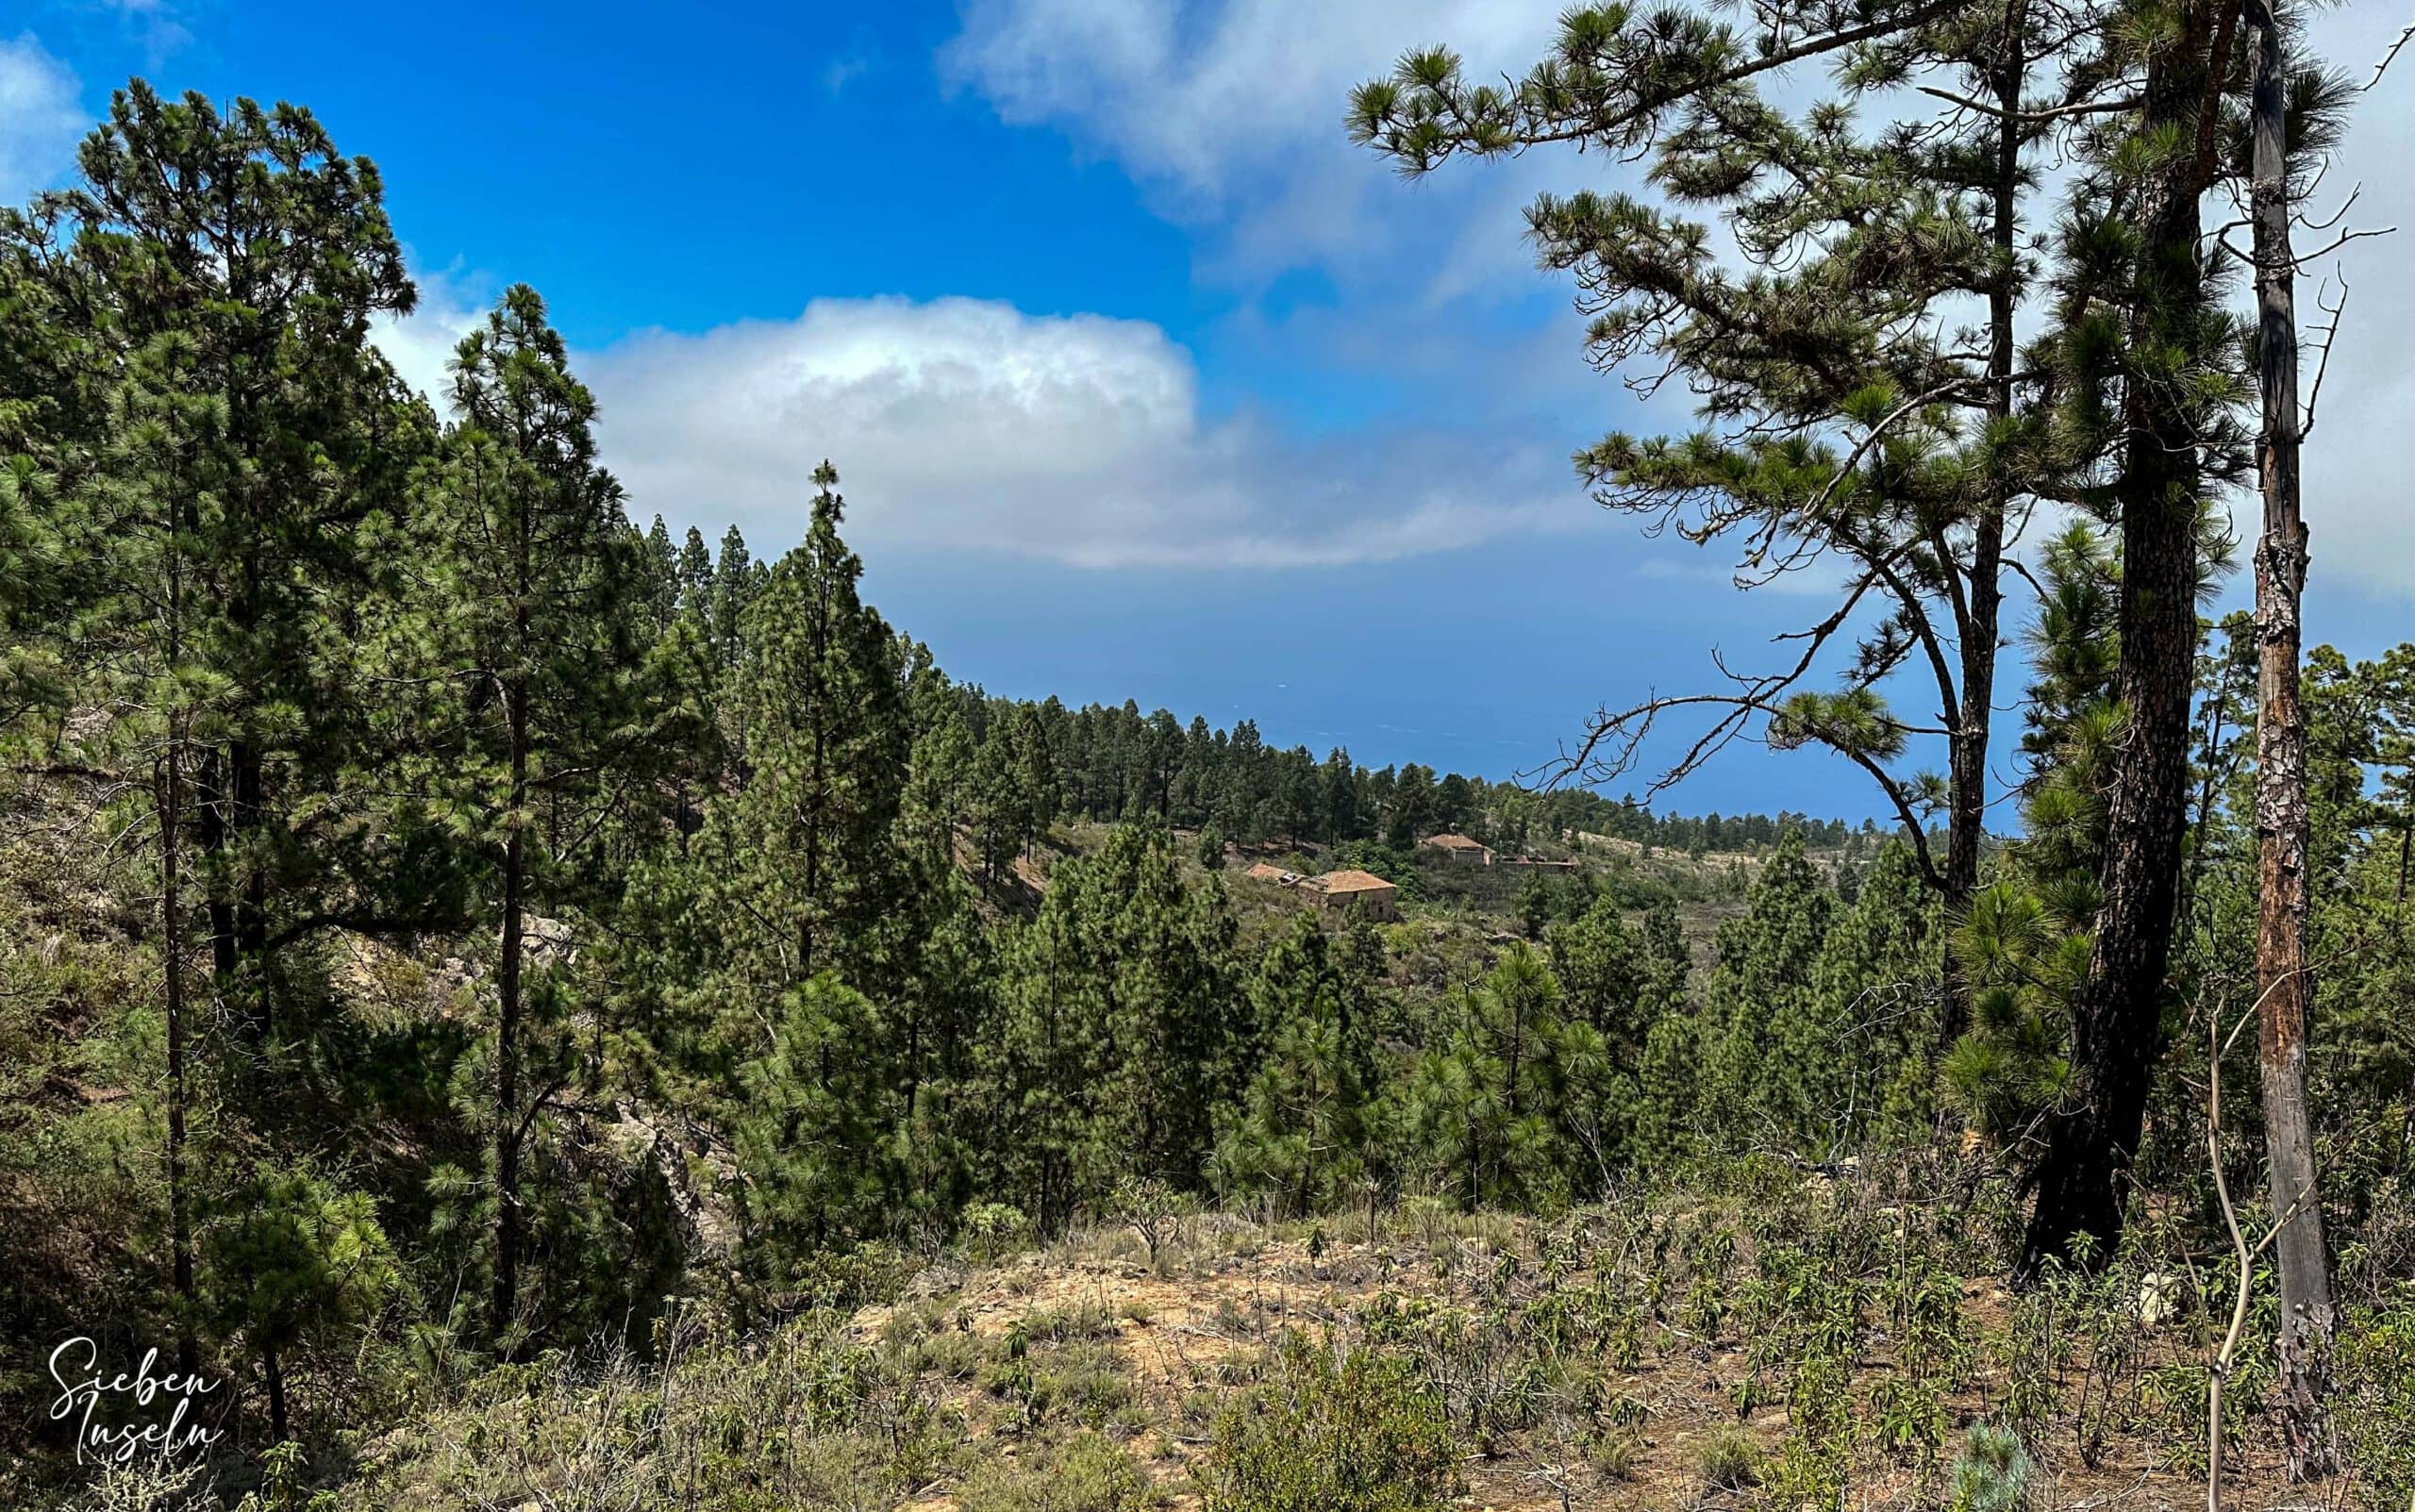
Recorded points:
(1085,1474)
(1353,1434)
(1728,1462)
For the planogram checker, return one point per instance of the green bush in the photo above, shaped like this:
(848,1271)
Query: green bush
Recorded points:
(1357,1434)
(1086,1473)
(2377,1412)
(1728,1462)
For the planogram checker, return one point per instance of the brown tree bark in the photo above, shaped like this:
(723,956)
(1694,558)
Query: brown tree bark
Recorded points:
(2117,1016)
(2283,979)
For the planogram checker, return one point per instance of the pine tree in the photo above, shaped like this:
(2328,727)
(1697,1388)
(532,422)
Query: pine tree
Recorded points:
(1869,1057)
(1120,1043)
(1035,777)
(525,590)
(1860,432)
(2145,368)
(803,915)
(662,576)
(1605,974)
(1483,1101)
(209,433)
(821,704)
(808,1131)
(1763,1016)
(1302,1129)
(730,597)
(697,574)
(1003,805)
(246,258)
(1413,811)
(297,1260)
(1341,810)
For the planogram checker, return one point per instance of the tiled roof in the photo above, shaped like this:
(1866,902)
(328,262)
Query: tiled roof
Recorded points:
(1353,880)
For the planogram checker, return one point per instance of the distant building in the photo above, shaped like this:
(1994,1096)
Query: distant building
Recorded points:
(1354,892)
(1361,894)
(1461,851)
(1543,863)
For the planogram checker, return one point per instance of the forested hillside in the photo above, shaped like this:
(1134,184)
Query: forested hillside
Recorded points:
(544,1014)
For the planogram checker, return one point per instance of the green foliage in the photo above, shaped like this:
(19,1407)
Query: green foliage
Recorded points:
(807,1132)
(2026,935)
(2376,1415)
(1120,1034)
(1727,1461)
(1334,1430)
(1991,1474)
(1482,1100)
(802,1417)
(1086,1473)
(294,1255)
(1815,1027)
(637,920)
(1307,1128)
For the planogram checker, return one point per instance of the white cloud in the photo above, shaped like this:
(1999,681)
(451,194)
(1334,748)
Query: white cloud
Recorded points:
(1197,92)
(1230,111)
(40,119)
(1233,110)
(2360,525)
(421,343)
(962,424)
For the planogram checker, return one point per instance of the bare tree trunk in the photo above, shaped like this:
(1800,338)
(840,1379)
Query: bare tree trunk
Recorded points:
(2117,1017)
(2284,980)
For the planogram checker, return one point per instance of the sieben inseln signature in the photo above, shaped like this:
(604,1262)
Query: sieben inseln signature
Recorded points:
(135,1401)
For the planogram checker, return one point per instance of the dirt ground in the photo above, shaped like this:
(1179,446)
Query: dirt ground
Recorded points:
(1202,1319)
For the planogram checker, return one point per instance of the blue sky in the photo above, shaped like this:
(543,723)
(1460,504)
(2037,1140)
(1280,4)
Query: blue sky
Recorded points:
(1142,381)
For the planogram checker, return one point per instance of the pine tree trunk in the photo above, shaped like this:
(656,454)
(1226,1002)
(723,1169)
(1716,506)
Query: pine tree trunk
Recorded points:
(2117,1016)
(170,801)
(1966,755)
(506,1111)
(210,832)
(273,1370)
(2284,980)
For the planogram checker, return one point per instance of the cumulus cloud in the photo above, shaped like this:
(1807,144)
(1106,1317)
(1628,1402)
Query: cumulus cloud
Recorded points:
(40,120)
(1232,110)
(966,423)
